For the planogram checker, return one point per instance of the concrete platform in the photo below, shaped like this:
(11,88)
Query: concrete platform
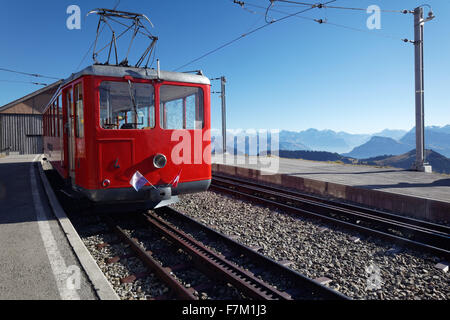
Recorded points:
(417,194)
(36,260)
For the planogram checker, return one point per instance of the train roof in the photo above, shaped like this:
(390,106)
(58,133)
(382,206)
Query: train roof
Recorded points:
(138,73)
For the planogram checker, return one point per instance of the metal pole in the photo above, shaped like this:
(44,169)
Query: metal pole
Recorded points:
(419,22)
(418,59)
(224,115)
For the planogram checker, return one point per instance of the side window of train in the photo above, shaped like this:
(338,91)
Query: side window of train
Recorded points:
(126,105)
(51,120)
(181,107)
(60,115)
(69,111)
(54,122)
(78,97)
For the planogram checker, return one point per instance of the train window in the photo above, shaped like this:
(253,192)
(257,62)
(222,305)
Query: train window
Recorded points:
(126,105)
(51,120)
(60,127)
(69,112)
(181,107)
(54,123)
(78,97)
(60,116)
(44,120)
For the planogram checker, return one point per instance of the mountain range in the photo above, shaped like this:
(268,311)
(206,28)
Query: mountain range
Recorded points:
(439,163)
(359,146)
(378,146)
(436,139)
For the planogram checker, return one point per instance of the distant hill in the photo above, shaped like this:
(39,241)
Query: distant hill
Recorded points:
(377,146)
(438,162)
(444,129)
(436,138)
(292,146)
(388,133)
(314,156)
(324,140)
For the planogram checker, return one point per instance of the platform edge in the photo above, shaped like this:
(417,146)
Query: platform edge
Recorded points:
(101,285)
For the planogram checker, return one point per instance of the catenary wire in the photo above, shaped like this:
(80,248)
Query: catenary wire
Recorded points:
(244,35)
(28,82)
(36,75)
(324,5)
(324,21)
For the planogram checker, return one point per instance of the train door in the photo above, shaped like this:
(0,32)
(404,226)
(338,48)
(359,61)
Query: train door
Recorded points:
(80,150)
(61,131)
(70,136)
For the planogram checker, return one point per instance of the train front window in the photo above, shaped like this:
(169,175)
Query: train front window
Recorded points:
(126,105)
(181,107)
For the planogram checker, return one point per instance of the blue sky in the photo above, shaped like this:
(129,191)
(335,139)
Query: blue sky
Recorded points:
(295,74)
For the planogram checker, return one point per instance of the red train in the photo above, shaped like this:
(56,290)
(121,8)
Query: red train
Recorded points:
(109,128)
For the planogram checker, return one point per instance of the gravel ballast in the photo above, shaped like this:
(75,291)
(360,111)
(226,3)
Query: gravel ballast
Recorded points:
(104,246)
(364,269)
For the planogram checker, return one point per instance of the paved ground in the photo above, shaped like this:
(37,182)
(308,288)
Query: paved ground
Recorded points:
(36,261)
(423,185)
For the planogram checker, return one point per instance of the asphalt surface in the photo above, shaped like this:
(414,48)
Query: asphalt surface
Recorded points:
(417,184)
(25,268)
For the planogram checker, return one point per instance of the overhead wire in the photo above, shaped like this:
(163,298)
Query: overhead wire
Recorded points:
(246,34)
(326,21)
(324,5)
(36,75)
(29,82)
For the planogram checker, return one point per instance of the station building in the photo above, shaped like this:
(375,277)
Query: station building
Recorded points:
(21,122)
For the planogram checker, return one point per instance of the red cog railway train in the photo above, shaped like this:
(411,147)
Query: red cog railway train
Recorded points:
(109,124)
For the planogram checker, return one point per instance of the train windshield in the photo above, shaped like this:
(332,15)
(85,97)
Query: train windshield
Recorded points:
(181,107)
(126,105)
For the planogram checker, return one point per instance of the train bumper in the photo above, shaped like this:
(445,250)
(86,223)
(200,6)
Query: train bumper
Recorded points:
(149,194)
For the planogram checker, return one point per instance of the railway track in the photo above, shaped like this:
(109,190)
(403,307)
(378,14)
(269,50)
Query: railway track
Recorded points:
(400,230)
(296,285)
(219,261)
(219,269)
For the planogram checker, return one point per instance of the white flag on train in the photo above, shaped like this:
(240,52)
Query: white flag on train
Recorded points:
(176,180)
(138,181)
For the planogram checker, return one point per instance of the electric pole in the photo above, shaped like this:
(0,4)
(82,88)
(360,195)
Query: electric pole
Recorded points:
(224,112)
(419,21)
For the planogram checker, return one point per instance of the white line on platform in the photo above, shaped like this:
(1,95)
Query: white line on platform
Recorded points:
(57,263)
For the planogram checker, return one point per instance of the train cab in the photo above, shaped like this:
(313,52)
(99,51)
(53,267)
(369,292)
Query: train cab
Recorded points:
(122,134)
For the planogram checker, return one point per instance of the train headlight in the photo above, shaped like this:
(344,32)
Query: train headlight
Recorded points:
(106,183)
(159,161)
